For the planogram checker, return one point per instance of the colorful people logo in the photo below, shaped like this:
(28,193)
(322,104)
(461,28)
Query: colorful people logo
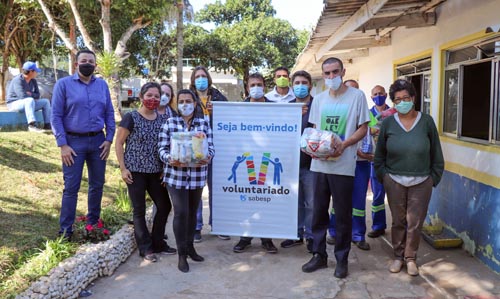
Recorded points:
(239,159)
(252,177)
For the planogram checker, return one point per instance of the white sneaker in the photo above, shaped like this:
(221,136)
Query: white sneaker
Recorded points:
(32,128)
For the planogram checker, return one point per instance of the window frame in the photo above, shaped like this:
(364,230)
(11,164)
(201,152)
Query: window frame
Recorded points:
(494,101)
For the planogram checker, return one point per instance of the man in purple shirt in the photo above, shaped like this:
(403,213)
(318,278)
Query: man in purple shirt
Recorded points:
(82,109)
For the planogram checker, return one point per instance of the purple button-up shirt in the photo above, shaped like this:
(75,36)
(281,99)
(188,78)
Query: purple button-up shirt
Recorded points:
(81,108)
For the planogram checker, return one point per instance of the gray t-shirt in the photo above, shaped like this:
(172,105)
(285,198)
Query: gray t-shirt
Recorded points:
(342,115)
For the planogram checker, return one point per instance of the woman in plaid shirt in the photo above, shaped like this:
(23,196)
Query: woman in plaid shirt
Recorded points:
(185,183)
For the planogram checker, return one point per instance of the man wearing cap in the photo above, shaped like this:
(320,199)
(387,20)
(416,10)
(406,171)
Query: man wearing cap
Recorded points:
(23,95)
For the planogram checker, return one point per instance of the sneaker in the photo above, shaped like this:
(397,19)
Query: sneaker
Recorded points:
(309,243)
(376,233)
(150,257)
(330,240)
(241,246)
(291,243)
(269,247)
(362,245)
(168,250)
(32,128)
(224,237)
(396,266)
(197,236)
(315,263)
(47,127)
(411,268)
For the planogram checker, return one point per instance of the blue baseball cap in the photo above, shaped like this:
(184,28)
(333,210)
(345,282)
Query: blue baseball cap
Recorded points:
(31,66)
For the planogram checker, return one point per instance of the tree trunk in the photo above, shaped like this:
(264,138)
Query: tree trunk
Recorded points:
(7,34)
(180,42)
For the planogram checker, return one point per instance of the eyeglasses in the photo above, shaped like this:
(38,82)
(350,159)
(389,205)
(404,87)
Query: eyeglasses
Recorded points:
(405,99)
(335,72)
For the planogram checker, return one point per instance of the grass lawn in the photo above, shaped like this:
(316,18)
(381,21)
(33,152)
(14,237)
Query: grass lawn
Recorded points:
(31,186)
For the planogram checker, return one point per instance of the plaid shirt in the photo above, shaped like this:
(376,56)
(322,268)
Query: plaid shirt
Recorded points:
(183,177)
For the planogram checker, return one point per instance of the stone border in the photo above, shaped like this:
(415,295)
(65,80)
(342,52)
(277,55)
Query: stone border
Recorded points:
(91,261)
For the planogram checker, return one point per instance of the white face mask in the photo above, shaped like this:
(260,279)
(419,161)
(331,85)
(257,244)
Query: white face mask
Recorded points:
(164,100)
(334,83)
(186,109)
(256,92)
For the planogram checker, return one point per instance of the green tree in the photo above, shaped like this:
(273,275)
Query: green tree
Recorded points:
(247,37)
(23,36)
(119,20)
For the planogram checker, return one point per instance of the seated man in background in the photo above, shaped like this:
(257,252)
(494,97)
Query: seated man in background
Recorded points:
(23,95)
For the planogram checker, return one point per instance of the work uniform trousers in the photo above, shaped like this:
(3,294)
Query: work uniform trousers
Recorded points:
(361,178)
(378,203)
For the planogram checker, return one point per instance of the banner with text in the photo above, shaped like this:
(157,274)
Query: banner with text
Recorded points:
(256,169)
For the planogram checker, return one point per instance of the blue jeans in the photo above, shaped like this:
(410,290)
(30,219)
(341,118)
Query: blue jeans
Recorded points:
(307,184)
(29,106)
(361,178)
(87,151)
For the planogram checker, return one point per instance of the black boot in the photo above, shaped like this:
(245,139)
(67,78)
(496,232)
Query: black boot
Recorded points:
(183,264)
(194,255)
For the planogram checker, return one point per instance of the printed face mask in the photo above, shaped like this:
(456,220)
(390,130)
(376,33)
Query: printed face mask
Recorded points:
(282,82)
(86,69)
(201,83)
(404,107)
(301,91)
(379,100)
(164,100)
(186,109)
(334,83)
(256,92)
(151,104)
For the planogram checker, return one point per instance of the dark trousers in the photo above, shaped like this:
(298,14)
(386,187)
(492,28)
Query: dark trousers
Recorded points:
(185,205)
(151,183)
(340,187)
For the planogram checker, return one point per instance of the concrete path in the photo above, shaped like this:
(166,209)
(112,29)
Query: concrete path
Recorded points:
(257,274)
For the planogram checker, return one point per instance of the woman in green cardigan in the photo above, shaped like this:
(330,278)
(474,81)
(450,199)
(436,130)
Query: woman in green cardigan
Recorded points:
(409,161)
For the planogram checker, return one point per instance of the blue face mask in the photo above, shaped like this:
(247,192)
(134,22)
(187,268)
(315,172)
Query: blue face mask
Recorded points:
(301,91)
(256,92)
(404,107)
(379,100)
(201,83)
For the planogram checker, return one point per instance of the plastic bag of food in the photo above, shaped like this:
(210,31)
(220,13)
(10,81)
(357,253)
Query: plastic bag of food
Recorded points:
(188,147)
(318,143)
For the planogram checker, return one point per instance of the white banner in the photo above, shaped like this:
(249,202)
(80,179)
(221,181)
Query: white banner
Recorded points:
(256,169)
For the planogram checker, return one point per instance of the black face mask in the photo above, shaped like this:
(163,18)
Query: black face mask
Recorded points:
(86,69)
